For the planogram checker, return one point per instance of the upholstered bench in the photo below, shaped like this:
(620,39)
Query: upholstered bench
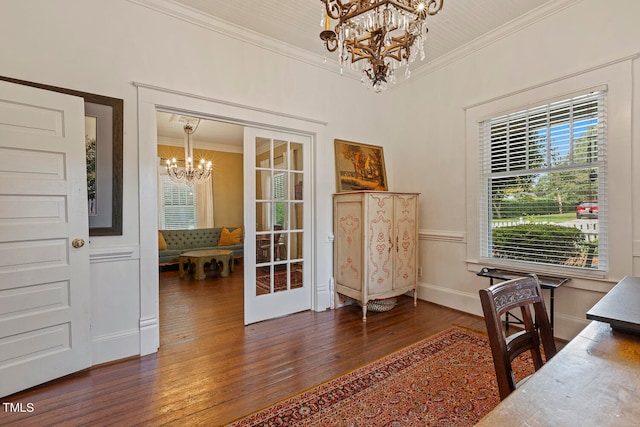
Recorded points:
(173,243)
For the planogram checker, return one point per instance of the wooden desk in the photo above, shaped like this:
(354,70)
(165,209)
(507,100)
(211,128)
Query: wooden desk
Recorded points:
(620,307)
(593,381)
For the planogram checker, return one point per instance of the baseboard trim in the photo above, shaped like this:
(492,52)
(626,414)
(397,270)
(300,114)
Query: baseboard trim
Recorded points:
(323,297)
(463,301)
(565,327)
(149,335)
(119,345)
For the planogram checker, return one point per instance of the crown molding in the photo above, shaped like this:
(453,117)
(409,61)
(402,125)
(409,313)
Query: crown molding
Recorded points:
(228,29)
(536,15)
(201,145)
(225,28)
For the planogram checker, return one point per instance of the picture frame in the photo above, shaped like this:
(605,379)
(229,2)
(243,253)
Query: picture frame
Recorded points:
(107,115)
(359,167)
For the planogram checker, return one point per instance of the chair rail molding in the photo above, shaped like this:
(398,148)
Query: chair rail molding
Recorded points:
(113,253)
(443,236)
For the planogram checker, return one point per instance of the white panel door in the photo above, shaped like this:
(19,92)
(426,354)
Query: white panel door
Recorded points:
(277,269)
(44,279)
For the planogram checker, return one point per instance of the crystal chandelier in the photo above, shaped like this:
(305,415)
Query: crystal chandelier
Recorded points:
(380,32)
(189,175)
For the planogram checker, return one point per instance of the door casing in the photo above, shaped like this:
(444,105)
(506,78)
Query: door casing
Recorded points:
(153,98)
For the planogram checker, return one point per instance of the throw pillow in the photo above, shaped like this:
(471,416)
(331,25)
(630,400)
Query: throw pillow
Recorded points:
(162,244)
(228,238)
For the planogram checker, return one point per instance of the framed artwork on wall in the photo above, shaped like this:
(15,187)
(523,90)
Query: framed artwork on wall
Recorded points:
(359,167)
(103,141)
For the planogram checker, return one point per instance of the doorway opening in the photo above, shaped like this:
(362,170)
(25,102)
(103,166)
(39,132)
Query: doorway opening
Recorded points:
(191,217)
(152,99)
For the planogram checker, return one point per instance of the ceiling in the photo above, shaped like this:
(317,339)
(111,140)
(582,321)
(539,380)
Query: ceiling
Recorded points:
(297,23)
(208,134)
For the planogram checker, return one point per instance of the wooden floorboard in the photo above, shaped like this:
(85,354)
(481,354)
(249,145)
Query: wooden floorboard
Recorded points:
(211,369)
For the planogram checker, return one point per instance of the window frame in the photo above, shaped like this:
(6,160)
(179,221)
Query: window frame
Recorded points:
(164,177)
(616,77)
(518,160)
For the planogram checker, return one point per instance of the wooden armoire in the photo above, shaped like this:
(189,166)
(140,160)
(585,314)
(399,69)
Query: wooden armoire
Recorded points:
(375,245)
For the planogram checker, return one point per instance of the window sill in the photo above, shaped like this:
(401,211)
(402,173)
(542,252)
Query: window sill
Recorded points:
(571,272)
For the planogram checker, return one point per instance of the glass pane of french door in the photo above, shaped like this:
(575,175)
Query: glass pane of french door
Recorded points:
(278,282)
(278,256)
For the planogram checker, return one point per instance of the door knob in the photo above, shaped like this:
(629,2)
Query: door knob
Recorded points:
(77,243)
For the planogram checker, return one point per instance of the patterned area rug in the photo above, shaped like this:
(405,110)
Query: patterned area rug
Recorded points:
(445,380)
(279,281)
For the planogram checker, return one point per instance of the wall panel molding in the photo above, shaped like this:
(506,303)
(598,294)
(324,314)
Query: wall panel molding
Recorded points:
(113,253)
(443,236)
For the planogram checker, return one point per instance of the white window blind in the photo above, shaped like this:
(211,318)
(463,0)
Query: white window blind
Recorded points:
(278,186)
(279,194)
(178,205)
(543,178)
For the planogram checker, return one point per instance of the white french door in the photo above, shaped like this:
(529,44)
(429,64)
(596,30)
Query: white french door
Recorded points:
(44,263)
(277,223)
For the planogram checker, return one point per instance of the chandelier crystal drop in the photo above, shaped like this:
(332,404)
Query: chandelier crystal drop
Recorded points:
(189,175)
(381,33)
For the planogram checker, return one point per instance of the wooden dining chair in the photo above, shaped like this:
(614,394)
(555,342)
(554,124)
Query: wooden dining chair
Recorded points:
(523,293)
(278,250)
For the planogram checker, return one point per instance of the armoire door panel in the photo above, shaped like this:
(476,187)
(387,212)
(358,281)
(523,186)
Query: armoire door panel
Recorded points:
(405,269)
(380,241)
(349,247)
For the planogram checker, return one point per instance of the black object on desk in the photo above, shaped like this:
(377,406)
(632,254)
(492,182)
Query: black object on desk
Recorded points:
(546,282)
(620,307)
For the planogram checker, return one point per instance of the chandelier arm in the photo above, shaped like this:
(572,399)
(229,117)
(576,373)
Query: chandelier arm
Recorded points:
(331,43)
(398,44)
(434,6)
(335,8)
(359,51)
(357,8)
(402,43)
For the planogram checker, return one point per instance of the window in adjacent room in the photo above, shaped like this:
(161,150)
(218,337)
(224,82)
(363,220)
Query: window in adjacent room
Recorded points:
(178,209)
(543,185)
(279,195)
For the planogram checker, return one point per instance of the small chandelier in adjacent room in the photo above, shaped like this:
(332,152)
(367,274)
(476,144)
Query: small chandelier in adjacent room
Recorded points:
(189,175)
(380,32)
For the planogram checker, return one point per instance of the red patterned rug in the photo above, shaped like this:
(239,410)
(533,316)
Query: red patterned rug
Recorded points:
(279,281)
(444,380)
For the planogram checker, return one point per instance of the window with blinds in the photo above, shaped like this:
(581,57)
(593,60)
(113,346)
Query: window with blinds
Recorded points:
(543,177)
(178,205)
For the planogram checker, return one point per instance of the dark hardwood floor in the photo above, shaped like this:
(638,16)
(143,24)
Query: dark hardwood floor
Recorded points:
(211,369)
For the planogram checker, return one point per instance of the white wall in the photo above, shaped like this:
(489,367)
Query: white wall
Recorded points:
(102,47)
(432,139)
